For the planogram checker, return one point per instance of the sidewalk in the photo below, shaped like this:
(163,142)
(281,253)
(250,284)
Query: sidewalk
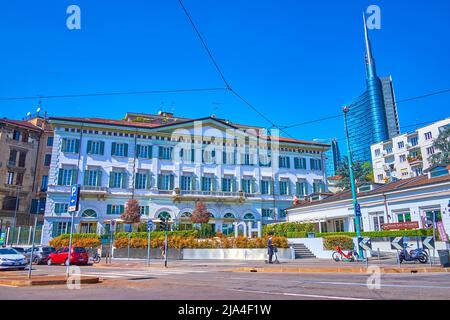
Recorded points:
(298,265)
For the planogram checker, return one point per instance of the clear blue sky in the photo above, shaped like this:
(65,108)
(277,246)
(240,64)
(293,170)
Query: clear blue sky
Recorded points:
(295,60)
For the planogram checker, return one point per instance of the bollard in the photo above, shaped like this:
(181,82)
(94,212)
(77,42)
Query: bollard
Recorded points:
(378,250)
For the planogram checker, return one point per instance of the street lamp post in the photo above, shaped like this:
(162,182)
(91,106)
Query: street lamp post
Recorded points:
(352,183)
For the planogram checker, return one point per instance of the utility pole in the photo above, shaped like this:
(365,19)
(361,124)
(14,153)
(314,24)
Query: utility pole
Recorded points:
(352,183)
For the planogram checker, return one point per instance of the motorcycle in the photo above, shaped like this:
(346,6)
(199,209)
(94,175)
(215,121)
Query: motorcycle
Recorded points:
(340,255)
(95,258)
(418,254)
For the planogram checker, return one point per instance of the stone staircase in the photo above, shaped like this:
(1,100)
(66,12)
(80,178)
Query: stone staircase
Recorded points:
(302,251)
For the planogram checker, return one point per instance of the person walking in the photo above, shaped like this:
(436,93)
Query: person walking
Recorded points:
(270,248)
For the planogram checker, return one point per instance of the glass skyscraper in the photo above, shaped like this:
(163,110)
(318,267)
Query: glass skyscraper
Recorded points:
(332,158)
(373,116)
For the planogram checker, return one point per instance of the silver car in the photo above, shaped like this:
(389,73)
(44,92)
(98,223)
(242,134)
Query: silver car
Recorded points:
(12,259)
(40,254)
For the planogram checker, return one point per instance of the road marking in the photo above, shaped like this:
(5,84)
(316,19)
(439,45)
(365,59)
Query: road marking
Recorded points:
(363,284)
(299,295)
(9,286)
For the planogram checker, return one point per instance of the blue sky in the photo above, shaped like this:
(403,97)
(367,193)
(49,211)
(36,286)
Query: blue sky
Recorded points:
(295,60)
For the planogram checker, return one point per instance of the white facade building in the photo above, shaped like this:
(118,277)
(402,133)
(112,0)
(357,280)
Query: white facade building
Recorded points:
(413,199)
(406,155)
(149,157)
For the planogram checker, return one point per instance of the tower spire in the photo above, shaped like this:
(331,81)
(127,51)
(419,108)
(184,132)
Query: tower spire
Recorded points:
(370,63)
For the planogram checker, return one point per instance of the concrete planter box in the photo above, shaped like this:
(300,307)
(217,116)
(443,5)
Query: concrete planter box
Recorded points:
(141,253)
(234,254)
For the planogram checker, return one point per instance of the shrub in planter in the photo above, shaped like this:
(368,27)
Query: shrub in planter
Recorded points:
(77,241)
(281,229)
(331,242)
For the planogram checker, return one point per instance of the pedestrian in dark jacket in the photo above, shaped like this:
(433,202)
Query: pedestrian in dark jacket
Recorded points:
(270,248)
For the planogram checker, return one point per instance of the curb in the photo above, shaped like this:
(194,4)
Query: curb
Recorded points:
(339,270)
(44,281)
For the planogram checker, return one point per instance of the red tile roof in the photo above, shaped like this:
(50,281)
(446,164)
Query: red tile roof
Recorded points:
(22,123)
(126,123)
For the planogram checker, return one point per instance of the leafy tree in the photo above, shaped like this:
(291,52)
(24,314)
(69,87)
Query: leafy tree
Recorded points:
(362,172)
(442,147)
(200,216)
(131,213)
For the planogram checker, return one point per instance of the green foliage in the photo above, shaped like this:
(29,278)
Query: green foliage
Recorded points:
(282,229)
(371,234)
(442,147)
(79,235)
(331,242)
(205,230)
(362,172)
(157,234)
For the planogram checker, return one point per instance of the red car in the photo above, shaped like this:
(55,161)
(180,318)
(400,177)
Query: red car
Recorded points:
(78,255)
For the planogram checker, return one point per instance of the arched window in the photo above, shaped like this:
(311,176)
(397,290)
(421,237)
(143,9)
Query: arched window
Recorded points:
(229,215)
(186,216)
(164,216)
(89,213)
(185,222)
(249,217)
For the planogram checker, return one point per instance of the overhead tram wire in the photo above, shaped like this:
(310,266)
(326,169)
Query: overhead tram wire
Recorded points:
(216,65)
(340,115)
(100,94)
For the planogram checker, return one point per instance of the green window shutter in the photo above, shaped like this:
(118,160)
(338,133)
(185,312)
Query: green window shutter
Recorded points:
(89,146)
(288,187)
(64,144)
(102,147)
(60,176)
(111,179)
(171,187)
(108,209)
(113,148)
(159,181)
(150,152)
(147,210)
(124,180)
(288,162)
(99,178)
(138,151)
(86,177)
(193,182)
(271,191)
(74,176)
(57,208)
(160,152)
(304,163)
(122,208)
(77,145)
(125,150)
(148,180)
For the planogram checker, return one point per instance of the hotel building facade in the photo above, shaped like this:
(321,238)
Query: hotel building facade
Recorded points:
(168,164)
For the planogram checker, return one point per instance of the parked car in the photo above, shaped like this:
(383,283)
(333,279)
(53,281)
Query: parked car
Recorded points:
(23,252)
(40,254)
(78,255)
(11,258)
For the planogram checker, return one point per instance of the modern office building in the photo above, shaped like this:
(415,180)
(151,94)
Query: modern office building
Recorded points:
(406,155)
(169,164)
(332,158)
(373,116)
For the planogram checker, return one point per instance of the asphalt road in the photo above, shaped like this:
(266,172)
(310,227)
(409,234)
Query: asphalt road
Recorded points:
(204,281)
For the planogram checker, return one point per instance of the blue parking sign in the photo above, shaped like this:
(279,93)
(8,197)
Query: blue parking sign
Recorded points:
(358,210)
(149,225)
(74,201)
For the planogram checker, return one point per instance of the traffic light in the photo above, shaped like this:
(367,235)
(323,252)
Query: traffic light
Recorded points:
(162,225)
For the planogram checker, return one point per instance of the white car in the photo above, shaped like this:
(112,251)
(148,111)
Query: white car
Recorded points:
(11,259)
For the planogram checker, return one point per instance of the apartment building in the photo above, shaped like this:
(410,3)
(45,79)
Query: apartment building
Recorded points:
(406,155)
(168,164)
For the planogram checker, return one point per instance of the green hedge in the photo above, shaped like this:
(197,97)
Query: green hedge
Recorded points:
(345,242)
(157,234)
(79,235)
(371,234)
(282,229)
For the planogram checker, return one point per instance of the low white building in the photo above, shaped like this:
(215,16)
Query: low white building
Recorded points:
(406,155)
(413,199)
